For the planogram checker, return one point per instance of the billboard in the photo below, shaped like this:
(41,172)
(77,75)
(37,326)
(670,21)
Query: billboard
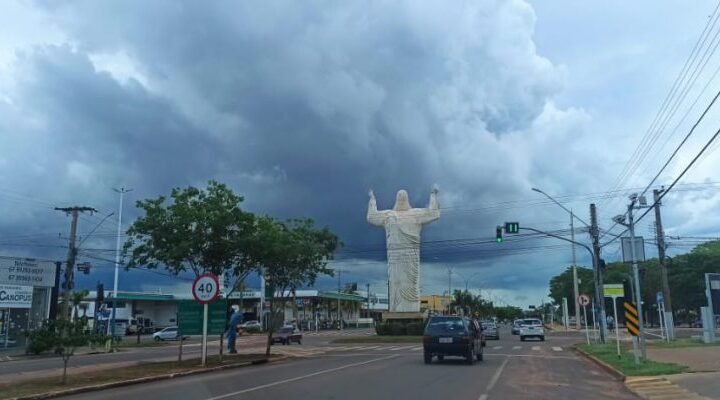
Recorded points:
(12,296)
(27,272)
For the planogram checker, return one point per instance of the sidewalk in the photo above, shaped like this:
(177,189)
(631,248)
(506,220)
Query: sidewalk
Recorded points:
(704,362)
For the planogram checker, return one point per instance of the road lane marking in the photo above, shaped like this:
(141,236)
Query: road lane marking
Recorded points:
(405,347)
(494,380)
(555,348)
(417,348)
(371,347)
(497,347)
(536,348)
(297,378)
(532,355)
(517,347)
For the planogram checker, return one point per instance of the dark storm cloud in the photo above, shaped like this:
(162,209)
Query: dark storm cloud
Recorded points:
(299,107)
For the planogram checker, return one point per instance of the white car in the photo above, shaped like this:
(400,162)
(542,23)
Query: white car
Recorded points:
(251,324)
(169,333)
(532,328)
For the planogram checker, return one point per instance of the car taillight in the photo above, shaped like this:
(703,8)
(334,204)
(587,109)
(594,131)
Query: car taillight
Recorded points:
(465,339)
(426,339)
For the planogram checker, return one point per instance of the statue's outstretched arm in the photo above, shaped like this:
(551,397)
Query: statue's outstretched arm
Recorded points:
(375,217)
(432,213)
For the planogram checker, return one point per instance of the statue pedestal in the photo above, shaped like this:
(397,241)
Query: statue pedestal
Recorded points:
(389,316)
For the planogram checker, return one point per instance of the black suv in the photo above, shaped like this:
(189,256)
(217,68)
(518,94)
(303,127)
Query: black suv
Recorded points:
(452,336)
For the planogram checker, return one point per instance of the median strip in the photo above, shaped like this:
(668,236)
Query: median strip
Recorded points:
(46,388)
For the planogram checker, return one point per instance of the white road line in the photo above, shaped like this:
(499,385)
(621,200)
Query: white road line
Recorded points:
(297,378)
(417,348)
(494,380)
(381,348)
(557,348)
(405,347)
(517,347)
(395,348)
(497,347)
(536,348)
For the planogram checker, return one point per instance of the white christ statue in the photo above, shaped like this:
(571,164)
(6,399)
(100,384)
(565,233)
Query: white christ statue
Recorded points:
(402,232)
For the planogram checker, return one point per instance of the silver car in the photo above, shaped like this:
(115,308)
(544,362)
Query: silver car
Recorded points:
(169,333)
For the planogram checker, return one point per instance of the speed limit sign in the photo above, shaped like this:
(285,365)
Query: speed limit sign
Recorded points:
(206,288)
(583,300)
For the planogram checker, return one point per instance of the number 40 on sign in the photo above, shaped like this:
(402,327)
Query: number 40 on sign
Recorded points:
(206,288)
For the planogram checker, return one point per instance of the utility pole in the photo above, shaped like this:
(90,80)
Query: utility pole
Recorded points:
(122,191)
(72,253)
(450,281)
(660,234)
(368,300)
(636,277)
(576,289)
(599,297)
(338,302)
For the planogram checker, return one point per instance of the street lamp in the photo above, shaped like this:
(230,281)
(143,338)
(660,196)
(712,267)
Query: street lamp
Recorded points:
(467,280)
(576,289)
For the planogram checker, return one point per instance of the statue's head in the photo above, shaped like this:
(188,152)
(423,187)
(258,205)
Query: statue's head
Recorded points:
(402,202)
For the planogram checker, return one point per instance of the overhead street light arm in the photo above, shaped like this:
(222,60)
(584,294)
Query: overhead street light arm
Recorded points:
(586,247)
(562,206)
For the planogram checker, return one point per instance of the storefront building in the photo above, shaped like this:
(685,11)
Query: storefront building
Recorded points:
(26,292)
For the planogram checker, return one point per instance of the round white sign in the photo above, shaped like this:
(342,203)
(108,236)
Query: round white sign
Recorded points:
(584,300)
(206,288)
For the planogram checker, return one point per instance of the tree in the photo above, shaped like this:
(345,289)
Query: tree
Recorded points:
(470,304)
(64,336)
(293,254)
(508,313)
(562,286)
(686,277)
(204,231)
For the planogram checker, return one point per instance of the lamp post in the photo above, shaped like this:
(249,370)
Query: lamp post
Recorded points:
(576,290)
(122,191)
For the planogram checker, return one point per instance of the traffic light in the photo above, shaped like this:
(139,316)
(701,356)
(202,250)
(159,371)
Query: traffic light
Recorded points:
(100,297)
(499,234)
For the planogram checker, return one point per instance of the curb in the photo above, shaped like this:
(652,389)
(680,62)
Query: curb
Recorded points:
(602,364)
(104,386)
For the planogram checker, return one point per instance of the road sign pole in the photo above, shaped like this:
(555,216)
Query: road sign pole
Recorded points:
(204,335)
(660,319)
(587,333)
(636,352)
(617,331)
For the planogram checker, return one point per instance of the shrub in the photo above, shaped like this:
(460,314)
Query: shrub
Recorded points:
(253,329)
(382,329)
(397,329)
(415,328)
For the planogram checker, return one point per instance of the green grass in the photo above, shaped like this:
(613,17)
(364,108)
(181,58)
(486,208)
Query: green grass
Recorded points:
(626,362)
(45,385)
(680,343)
(378,339)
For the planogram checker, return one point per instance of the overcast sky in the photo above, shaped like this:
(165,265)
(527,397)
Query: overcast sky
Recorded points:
(301,107)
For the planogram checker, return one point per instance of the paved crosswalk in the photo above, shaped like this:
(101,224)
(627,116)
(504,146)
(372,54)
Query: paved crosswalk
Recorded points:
(309,351)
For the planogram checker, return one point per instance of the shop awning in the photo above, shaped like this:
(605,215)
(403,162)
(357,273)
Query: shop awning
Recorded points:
(342,296)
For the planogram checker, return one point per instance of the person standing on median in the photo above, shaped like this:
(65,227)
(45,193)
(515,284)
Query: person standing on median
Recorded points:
(235,319)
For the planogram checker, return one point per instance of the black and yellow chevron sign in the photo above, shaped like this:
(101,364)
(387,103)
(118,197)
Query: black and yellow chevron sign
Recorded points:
(631,319)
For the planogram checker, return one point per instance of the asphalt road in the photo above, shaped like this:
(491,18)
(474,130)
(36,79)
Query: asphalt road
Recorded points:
(191,348)
(511,370)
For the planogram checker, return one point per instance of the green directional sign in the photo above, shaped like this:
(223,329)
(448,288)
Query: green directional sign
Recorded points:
(512,227)
(190,317)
